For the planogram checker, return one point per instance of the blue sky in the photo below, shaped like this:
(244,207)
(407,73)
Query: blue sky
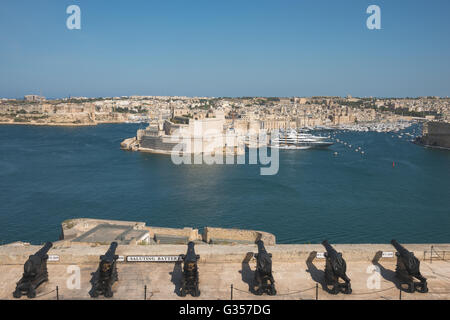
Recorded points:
(224,48)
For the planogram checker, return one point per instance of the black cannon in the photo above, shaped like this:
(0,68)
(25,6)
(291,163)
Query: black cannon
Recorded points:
(190,279)
(34,273)
(263,282)
(106,274)
(336,268)
(408,268)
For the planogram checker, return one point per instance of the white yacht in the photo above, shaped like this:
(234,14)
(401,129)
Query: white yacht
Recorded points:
(295,140)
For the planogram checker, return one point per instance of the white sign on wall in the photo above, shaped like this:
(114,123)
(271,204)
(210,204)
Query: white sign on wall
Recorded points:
(320,255)
(387,254)
(53,258)
(153,258)
(121,259)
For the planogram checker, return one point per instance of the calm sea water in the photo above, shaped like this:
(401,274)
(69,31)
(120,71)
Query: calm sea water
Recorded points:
(49,174)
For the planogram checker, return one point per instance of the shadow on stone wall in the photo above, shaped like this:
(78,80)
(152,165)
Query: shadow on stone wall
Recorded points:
(388,275)
(177,275)
(247,273)
(316,274)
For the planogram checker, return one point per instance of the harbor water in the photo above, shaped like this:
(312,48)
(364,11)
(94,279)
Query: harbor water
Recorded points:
(396,189)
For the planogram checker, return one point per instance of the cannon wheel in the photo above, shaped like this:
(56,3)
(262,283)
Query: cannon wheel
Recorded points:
(423,290)
(94,292)
(257,285)
(17,294)
(31,293)
(411,287)
(335,289)
(196,292)
(258,291)
(108,293)
(272,291)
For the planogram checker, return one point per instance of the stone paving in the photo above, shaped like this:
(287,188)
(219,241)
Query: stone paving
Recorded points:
(293,280)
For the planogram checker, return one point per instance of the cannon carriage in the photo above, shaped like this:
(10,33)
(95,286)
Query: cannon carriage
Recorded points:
(35,273)
(335,268)
(106,274)
(190,278)
(263,281)
(408,268)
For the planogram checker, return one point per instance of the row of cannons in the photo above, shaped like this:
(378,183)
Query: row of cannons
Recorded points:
(35,272)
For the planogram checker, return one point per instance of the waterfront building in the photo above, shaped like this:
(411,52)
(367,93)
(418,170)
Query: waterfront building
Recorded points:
(190,136)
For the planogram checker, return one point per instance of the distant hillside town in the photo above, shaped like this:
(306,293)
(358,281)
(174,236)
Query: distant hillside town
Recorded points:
(268,113)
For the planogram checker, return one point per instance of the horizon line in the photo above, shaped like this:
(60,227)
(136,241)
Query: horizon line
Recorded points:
(228,97)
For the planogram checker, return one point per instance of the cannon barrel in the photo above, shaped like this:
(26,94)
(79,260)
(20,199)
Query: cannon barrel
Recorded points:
(111,253)
(330,250)
(44,250)
(261,247)
(191,255)
(400,249)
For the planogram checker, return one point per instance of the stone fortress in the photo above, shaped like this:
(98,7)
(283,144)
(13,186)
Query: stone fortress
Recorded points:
(188,136)
(226,261)
(435,135)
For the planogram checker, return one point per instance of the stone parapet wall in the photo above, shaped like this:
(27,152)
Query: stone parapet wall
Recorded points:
(237,234)
(73,228)
(80,253)
(78,228)
(190,233)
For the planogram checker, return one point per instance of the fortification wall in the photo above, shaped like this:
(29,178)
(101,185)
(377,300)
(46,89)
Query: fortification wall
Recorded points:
(73,228)
(437,134)
(79,229)
(157,143)
(217,234)
(190,233)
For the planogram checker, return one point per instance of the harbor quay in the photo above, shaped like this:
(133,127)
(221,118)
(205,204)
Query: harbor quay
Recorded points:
(153,270)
